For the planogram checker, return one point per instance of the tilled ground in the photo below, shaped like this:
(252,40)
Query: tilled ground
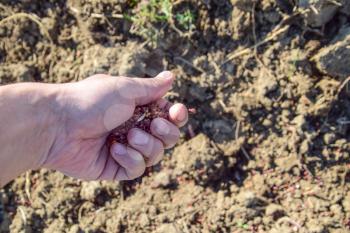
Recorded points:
(268,150)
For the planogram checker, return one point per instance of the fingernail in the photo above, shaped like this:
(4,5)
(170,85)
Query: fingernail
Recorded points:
(181,117)
(119,149)
(179,111)
(140,138)
(137,157)
(162,128)
(166,75)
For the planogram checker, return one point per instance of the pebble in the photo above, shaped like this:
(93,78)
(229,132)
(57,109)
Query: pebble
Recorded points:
(336,209)
(89,190)
(267,122)
(346,203)
(333,59)
(144,220)
(153,210)
(329,138)
(286,105)
(2,31)
(220,200)
(168,228)
(162,180)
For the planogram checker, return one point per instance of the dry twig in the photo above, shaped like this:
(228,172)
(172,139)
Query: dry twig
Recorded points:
(27,185)
(200,70)
(280,28)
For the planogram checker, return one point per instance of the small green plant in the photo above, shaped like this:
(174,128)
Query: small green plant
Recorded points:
(146,14)
(149,15)
(242,225)
(185,19)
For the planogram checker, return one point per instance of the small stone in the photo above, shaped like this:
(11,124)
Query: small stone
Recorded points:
(314,226)
(304,147)
(144,220)
(286,105)
(267,122)
(259,184)
(334,58)
(168,228)
(285,113)
(89,190)
(153,210)
(329,138)
(220,200)
(162,180)
(287,163)
(336,209)
(2,31)
(346,203)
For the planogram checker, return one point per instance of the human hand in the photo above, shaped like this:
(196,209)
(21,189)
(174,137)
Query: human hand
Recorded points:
(90,109)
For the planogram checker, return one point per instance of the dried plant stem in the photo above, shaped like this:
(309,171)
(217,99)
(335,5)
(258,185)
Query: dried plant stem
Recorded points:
(27,185)
(280,28)
(245,51)
(200,70)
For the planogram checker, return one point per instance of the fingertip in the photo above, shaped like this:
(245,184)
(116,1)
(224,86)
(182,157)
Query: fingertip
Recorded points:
(167,75)
(153,88)
(179,114)
(166,78)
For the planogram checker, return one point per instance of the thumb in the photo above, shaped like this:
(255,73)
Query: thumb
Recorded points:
(147,90)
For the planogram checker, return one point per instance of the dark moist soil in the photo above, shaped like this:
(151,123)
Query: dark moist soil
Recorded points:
(267,151)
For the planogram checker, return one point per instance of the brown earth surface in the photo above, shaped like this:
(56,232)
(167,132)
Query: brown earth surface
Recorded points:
(267,151)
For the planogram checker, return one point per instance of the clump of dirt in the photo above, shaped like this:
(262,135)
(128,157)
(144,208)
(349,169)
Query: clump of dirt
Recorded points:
(334,59)
(267,151)
(200,160)
(142,118)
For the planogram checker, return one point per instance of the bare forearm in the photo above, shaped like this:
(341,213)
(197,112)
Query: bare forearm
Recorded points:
(27,127)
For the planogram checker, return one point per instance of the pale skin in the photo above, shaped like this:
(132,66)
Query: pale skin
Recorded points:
(64,127)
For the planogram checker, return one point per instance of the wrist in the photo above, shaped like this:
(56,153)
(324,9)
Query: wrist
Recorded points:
(30,121)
